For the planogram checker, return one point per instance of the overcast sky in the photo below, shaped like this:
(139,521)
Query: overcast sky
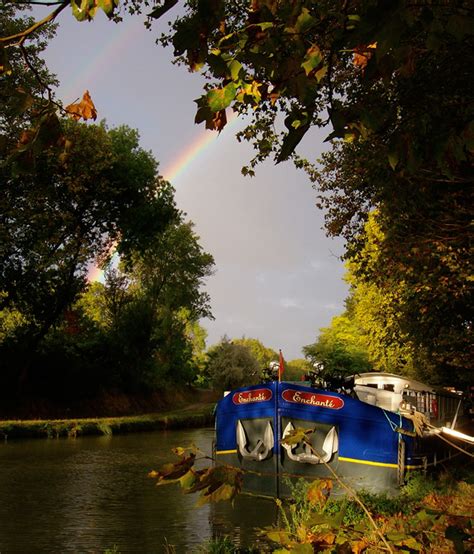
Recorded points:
(278,278)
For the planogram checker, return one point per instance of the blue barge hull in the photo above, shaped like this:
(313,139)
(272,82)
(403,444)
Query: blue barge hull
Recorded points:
(369,447)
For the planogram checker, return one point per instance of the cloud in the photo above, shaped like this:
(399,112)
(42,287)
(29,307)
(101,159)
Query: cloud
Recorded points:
(290,303)
(332,307)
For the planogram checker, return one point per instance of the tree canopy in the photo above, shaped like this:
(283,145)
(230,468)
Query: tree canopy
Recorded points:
(341,349)
(232,365)
(260,352)
(61,218)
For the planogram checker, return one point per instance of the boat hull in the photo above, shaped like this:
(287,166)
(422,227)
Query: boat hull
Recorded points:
(369,447)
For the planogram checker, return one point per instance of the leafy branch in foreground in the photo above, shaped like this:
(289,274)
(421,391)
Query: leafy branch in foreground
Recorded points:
(214,483)
(427,516)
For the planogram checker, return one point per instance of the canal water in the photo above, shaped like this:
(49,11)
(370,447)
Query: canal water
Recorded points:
(89,494)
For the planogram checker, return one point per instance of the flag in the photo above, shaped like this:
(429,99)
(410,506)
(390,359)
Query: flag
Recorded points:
(281,367)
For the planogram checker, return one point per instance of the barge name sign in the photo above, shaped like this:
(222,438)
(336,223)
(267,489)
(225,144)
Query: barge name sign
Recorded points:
(313,399)
(257,395)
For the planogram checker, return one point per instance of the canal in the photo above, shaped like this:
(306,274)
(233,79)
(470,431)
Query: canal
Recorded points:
(90,494)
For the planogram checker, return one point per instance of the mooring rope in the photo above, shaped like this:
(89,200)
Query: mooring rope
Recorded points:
(455,445)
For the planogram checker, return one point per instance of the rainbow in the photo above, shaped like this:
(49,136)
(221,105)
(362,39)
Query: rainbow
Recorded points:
(95,274)
(196,148)
(84,79)
(173,171)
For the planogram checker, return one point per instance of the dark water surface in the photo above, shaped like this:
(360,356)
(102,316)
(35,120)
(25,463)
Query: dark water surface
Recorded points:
(91,493)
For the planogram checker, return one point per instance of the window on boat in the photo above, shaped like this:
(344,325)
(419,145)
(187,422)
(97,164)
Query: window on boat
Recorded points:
(389,387)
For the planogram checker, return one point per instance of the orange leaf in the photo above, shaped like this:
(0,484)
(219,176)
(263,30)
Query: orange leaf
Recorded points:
(359,546)
(318,492)
(218,122)
(84,109)
(322,538)
(362,55)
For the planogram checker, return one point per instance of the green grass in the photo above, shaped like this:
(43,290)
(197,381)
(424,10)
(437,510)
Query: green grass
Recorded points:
(196,416)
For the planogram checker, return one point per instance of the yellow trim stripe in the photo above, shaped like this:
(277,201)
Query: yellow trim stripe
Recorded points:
(342,459)
(379,464)
(365,462)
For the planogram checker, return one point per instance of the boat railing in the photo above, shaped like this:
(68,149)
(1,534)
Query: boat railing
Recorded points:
(439,406)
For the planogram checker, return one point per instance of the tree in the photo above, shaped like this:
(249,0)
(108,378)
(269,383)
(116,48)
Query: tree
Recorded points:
(296,369)
(58,220)
(167,280)
(340,348)
(172,269)
(321,62)
(61,217)
(416,310)
(259,351)
(232,365)
(21,90)
(196,335)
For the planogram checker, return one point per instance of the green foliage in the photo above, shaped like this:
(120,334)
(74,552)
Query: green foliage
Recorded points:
(57,221)
(197,335)
(415,318)
(340,348)
(113,550)
(259,351)
(232,365)
(21,90)
(295,369)
(224,545)
(129,332)
(370,69)
(425,517)
(144,317)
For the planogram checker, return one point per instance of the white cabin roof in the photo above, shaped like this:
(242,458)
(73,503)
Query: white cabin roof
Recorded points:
(380,379)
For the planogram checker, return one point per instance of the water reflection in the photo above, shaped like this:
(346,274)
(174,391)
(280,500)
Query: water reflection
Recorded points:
(88,494)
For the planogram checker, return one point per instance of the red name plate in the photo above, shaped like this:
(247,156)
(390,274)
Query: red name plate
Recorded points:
(313,399)
(257,395)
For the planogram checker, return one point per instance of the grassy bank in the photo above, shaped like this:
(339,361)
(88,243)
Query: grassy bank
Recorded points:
(198,415)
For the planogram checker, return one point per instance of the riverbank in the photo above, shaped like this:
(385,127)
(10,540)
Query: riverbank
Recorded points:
(191,416)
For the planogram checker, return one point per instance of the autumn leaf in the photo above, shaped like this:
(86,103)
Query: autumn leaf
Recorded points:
(85,10)
(218,122)
(220,98)
(318,492)
(280,537)
(172,472)
(305,21)
(312,59)
(296,436)
(362,55)
(323,538)
(108,6)
(84,109)
(235,67)
(359,546)
(188,479)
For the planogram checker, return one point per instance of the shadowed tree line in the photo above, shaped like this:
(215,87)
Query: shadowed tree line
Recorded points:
(93,198)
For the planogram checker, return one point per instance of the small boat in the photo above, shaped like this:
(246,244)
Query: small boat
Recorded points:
(369,432)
